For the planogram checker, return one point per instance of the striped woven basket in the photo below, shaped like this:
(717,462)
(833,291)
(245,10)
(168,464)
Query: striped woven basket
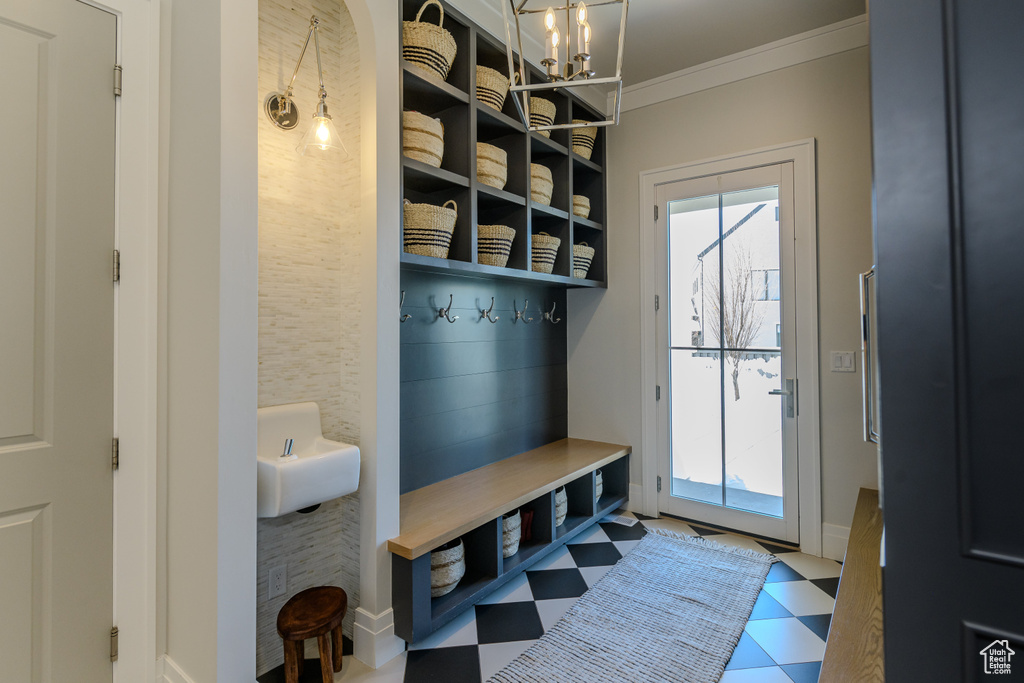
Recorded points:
(428,48)
(428,228)
(491,165)
(422,138)
(542,113)
(491,87)
(580,206)
(583,139)
(582,256)
(447,567)
(545,249)
(493,244)
(541,185)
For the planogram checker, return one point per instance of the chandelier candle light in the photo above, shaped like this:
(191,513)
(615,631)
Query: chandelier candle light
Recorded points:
(577,54)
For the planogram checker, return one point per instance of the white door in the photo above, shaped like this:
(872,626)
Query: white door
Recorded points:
(728,416)
(56,340)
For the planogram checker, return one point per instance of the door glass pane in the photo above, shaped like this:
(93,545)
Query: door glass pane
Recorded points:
(726,308)
(696,435)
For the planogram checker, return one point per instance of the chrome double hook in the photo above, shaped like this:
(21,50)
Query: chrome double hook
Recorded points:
(550,316)
(446,312)
(521,315)
(402,318)
(487,314)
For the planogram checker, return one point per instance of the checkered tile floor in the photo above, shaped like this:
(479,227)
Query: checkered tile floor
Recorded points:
(782,643)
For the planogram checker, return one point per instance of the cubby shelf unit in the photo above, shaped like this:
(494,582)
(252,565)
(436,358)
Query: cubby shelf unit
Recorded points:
(470,507)
(468,121)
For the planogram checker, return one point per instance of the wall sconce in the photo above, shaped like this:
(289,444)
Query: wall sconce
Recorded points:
(283,113)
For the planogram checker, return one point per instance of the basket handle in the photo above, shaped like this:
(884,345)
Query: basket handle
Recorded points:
(544,233)
(406,202)
(427,4)
(582,244)
(455,207)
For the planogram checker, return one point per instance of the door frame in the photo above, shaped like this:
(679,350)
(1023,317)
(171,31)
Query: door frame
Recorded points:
(802,154)
(136,398)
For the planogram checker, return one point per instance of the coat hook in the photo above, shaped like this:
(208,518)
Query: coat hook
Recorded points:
(446,312)
(405,317)
(550,317)
(487,313)
(521,315)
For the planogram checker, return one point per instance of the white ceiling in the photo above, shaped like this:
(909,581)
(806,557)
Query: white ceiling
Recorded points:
(664,36)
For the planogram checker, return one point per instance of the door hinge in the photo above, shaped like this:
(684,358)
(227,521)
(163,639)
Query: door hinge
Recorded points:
(657,392)
(113,644)
(655,212)
(115,454)
(657,302)
(117,80)
(117,265)
(659,484)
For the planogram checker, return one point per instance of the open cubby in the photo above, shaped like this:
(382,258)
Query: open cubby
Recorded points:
(470,506)
(468,121)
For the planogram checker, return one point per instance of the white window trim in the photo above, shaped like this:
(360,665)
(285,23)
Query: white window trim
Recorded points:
(802,154)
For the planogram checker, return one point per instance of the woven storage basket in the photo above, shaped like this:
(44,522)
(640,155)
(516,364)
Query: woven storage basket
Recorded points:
(583,139)
(542,113)
(541,185)
(580,206)
(491,87)
(493,244)
(561,505)
(422,138)
(447,567)
(428,228)
(428,48)
(511,533)
(582,256)
(545,249)
(491,165)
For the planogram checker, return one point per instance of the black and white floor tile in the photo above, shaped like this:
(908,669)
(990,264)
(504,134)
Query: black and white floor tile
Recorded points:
(783,641)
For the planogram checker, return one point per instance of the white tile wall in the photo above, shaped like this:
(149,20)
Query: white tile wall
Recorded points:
(309,293)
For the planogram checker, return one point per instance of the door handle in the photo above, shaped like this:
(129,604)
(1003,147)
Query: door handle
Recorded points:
(788,392)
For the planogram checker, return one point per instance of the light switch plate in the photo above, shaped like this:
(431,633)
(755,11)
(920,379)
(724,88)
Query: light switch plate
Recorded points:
(843,361)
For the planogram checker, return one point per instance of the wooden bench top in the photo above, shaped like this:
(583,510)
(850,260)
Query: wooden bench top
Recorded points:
(444,511)
(854,651)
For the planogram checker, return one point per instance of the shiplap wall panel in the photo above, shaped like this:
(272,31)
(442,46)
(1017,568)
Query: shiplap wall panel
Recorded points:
(309,293)
(474,392)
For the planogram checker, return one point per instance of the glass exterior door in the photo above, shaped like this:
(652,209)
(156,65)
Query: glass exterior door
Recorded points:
(725,354)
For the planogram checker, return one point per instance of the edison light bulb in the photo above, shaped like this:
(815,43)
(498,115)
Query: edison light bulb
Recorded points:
(549,19)
(554,37)
(581,14)
(323,133)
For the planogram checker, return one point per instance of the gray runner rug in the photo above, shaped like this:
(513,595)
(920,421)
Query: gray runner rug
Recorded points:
(672,609)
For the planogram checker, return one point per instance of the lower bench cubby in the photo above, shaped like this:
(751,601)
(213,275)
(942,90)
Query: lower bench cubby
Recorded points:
(471,506)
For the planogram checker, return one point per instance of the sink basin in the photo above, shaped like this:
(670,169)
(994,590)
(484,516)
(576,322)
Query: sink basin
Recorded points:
(317,470)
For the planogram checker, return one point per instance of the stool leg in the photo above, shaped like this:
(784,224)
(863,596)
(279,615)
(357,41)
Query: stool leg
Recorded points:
(326,665)
(336,647)
(300,653)
(292,657)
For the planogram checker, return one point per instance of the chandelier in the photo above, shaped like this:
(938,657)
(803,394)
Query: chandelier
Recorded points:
(567,54)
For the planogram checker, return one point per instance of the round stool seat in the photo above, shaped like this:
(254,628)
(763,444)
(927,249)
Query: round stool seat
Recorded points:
(313,613)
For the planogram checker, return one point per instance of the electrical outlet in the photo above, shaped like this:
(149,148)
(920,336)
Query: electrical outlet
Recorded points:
(278,583)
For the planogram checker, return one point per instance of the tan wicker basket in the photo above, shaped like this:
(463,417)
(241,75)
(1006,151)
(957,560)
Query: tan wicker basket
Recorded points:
(428,48)
(428,228)
(545,249)
(422,138)
(583,139)
(493,244)
(582,257)
(491,87)
(542,113)
(491,165)
(580,206)
(541,185)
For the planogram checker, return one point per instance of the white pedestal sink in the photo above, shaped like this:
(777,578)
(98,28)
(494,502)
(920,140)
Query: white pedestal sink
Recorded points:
(317,469)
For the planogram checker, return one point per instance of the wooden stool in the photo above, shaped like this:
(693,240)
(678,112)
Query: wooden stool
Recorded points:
(314,612)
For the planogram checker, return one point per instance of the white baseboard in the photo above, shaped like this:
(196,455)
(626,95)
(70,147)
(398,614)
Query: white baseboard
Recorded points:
(374,642)
(636,498)
(169,672)
(833,541)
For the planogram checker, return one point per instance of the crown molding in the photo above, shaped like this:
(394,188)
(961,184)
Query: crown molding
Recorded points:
(803,47)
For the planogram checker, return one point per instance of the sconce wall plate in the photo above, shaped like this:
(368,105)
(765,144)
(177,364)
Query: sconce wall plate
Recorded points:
(282,117)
